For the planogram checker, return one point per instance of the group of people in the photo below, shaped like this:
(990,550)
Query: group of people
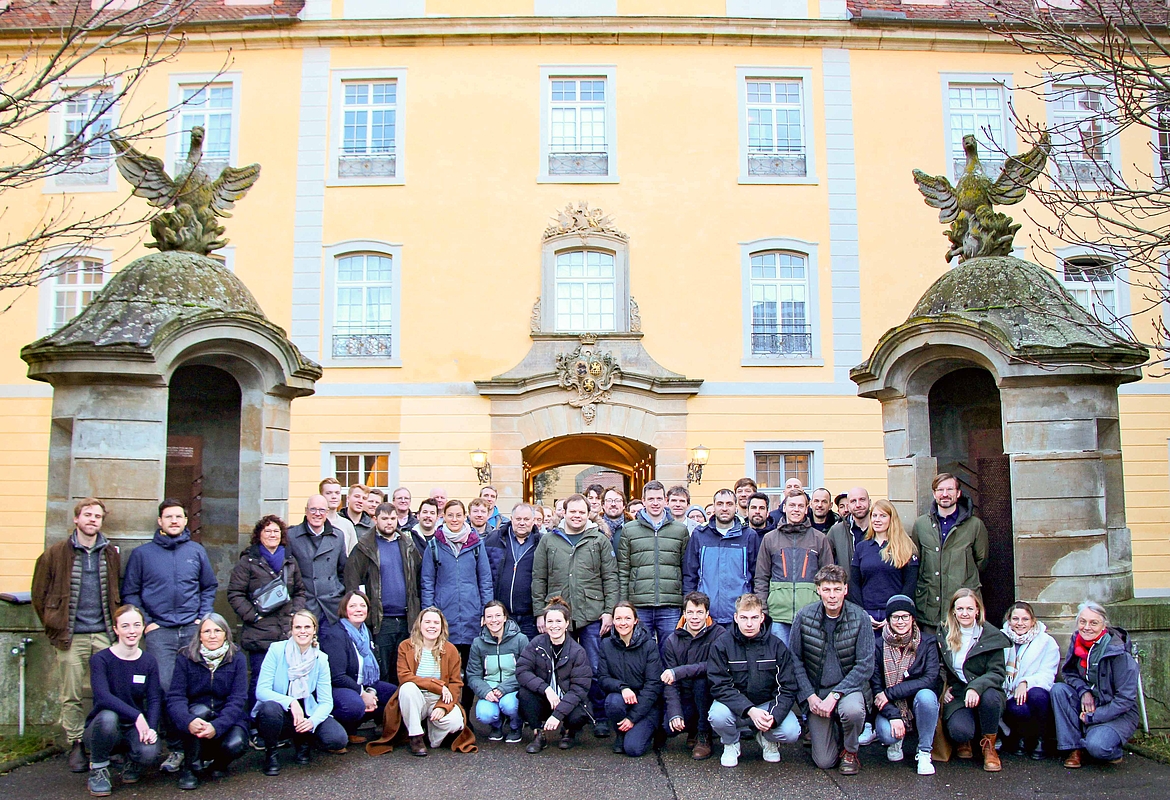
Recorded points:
(823,619)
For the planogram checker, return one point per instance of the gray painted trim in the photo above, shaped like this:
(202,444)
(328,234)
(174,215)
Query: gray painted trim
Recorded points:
(453,389)
(317,9)
(774,389)
(1144,387)
(383,9)
(1151,592)
(768,9)
(844,262)
(18,391)
(312,149)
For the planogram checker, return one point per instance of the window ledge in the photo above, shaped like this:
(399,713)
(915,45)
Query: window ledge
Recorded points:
(334,182)
(360,363)
(773,180)
(52,187)
(578,179)
(780,361)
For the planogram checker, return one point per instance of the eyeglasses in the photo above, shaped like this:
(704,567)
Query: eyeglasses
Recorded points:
(317,510)
(901,618)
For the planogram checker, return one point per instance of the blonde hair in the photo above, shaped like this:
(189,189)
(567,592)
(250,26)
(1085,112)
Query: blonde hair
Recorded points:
(901,547)
(954,634)
(416,636)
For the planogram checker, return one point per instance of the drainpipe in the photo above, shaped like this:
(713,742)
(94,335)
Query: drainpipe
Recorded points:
(22,651)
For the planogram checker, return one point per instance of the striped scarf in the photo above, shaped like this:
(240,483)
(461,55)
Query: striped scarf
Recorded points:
(897,658)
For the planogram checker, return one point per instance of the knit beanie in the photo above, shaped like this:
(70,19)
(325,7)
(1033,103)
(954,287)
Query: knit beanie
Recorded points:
(900,602)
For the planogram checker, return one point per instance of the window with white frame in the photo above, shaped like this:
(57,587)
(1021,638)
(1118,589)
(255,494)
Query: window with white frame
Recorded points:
(775,127)
(773,469)
(368,468)
(74,285)
(586,291)
(369,122)
(1092,282)
(779,305)
(577,134)
(1081,134)
(363,321)
(86,117)
(1162,138)
(212,107)
(979,110)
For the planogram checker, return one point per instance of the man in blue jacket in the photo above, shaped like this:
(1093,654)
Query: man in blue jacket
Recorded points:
(720,559)
(510,550)
(170,578)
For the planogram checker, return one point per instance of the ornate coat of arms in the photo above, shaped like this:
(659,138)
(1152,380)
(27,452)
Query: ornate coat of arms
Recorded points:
(589,375)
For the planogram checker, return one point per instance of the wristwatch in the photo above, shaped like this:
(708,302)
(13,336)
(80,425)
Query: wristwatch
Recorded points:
(835,695)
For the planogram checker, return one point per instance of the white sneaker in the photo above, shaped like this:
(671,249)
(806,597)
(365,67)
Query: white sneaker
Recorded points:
(894,751)
(173,762)
(867,735)
(925,765)
(771,749)
(730,757)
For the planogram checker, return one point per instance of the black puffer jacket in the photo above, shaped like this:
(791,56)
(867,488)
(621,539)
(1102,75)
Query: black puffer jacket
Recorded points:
(853,639)
(250,575)
(633,666)
(686,656)
(750,672)
(536,671)
(923,674)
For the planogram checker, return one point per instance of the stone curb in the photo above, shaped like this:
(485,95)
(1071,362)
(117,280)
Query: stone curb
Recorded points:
(32,758)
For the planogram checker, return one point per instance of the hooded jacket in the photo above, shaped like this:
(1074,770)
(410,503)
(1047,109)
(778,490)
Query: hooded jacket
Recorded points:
(251,574)
(745,673)
(922,674)
(459,585)
(984,668)
(722,566)
(364,568)
(634,666)
(170,578)
(1112,677)
(570,674)
(789,557)
(491,664)
(322,562)
(584,574)
(686,656)
(53,587)
(511,564)
(943,569)
(650,562)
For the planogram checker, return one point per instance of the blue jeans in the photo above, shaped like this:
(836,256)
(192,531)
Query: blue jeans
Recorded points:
(925,707)
(661,621)
(782,631)
(489,713)
(589,637)
(729,727)
(635,741)
(1100,740)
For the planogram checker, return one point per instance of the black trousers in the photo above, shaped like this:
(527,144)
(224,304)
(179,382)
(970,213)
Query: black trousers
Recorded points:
(534,710)
(966,724)
(225,748)
(391,633)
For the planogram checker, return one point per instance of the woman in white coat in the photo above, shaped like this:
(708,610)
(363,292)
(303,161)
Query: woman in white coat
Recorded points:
(1032,661)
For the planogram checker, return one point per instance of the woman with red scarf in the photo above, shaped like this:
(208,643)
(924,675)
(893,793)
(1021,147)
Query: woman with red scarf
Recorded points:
(1096,706)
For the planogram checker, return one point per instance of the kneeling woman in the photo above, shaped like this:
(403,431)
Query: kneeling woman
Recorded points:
(555,677)
(491,672)
(207,701)
(294,697)
(127,705)
(1032,661)
(430,680)
(629,672)
(359,693)
(1096,706)
(904,678)
(973,671)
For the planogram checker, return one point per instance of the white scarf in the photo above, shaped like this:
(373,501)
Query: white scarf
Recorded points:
(299,666)
(213,658)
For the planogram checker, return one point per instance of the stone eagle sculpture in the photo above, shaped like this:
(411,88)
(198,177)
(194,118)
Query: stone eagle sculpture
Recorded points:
(976,228)
(196,199)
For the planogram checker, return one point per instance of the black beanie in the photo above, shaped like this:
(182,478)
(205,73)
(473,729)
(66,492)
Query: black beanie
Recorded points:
(900,602)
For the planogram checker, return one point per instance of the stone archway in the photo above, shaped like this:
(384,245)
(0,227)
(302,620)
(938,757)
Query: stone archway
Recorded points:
(632,459)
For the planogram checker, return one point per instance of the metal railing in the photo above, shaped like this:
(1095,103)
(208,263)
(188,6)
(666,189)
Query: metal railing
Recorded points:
(781,339)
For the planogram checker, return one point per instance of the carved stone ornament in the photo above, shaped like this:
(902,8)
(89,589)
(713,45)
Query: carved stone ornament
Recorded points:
(579,218)
(635,316)
(977,229)
(534,322)
(589,375)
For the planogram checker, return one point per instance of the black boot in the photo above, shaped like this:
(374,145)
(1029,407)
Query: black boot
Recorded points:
(187,779)
(271,762)
(301,754)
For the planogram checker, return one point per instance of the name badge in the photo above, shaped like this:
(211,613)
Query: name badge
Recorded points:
(140,679)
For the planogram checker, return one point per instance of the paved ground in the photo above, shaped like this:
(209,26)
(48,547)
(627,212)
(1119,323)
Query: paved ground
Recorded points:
(591,771)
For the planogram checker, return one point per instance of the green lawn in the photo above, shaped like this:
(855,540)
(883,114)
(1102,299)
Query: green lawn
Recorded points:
(1156,745)
(14,747)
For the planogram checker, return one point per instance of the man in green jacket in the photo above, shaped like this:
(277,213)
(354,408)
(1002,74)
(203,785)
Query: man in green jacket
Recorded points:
(576,562)
(952,549)
(650,558)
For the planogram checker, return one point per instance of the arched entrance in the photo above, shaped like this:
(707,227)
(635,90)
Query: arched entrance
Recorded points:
(966,440)
(634,460)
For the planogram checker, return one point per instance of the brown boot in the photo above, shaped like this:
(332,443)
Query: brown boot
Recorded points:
(990,757)
(702,749)
(1074,759)
(417,746)
(963,750)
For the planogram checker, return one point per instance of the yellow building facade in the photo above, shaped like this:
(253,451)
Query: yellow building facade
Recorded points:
(752,160)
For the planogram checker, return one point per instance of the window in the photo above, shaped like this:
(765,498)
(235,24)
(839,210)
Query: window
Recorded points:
(369,463)
(1081,136)
(365,306)
(1162,138)
(771,464)
(368,128)
(779,303)
(774,469)
(361,304)
(979,110)
(211,108)
(775,132)
(1091,282)
(74,287)
(578,128)
(367,144)
(85,117)
(585,292)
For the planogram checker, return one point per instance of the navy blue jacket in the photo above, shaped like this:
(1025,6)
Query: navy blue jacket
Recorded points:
(343,657)
(1112,677)
(512,576)
(923,674)
(225,693)
(170,578)
(460,586)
